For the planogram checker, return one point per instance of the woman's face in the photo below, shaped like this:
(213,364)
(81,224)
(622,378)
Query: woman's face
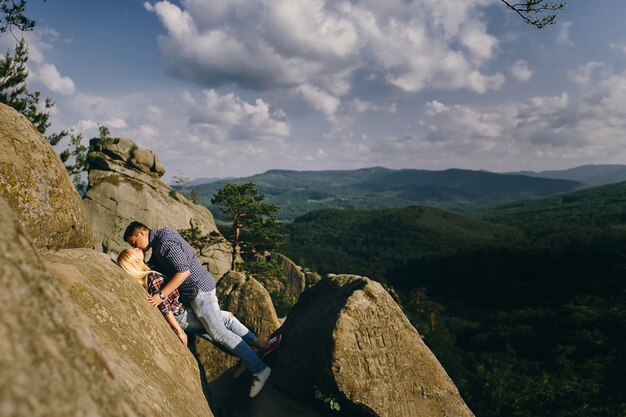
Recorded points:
(137,255)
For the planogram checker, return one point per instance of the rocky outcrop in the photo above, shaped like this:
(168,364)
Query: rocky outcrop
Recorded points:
(295,280)
(286,286)
(347,337)
(89,346)
(311,278)
(251,304)
(35,184)
(124,185)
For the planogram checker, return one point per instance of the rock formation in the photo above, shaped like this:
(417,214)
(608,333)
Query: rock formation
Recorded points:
(124,185)
(251,304)
(81,340)
(295,280)
(286,290)
(347,337)
(35,184)
(311,278)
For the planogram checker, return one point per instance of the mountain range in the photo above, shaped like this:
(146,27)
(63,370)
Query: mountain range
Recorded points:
(299,192)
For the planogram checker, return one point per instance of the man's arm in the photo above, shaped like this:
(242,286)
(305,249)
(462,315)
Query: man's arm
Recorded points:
(174,283)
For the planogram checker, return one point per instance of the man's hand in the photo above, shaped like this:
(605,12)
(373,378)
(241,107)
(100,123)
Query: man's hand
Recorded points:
(154,300)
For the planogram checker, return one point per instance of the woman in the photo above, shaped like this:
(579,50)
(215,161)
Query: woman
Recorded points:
(182,318)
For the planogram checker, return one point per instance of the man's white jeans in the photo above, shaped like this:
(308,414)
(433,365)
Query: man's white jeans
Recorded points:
(191,325)
(208,311)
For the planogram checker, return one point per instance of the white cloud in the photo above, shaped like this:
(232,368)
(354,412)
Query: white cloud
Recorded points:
(365,106)
(321,44)
(115,123)
(584,73)
(521,70)
(435,107)
(229,117)
(563,36)
(563,129)
(319,100)
(49,76)
(619,47)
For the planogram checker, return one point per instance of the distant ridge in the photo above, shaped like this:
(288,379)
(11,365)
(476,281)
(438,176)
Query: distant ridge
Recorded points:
(299,192)
(599,206)
(199,181)
(586,174)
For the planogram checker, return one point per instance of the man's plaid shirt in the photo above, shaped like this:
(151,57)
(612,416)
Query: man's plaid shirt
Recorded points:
(171,254)
(172,303)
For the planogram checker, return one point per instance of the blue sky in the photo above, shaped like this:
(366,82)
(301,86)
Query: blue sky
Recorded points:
(232,88)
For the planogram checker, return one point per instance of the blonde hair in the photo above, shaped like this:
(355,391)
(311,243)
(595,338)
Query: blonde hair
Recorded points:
(138,270)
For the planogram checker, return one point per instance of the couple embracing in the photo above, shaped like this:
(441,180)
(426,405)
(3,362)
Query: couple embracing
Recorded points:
(184,292)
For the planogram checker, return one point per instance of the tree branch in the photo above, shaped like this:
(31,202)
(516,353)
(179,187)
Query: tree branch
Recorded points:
(537,8)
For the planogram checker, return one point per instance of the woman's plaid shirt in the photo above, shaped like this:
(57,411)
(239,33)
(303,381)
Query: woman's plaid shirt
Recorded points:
(172,303)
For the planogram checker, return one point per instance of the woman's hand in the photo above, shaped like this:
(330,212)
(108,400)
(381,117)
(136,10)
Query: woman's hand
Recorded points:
(154,300)
(183,337)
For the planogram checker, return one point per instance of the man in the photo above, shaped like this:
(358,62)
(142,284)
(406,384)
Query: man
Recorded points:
(175,258)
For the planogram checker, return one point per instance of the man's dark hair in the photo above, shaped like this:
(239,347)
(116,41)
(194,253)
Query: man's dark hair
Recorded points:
(133,228)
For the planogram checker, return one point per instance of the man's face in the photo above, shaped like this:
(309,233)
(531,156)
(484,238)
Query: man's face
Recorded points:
(140,240)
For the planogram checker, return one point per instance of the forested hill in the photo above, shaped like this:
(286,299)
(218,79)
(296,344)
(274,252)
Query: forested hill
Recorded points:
(601,207)
(370,242)
(299,192)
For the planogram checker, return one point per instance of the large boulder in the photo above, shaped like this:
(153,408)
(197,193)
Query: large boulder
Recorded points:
(144,357)
(251,304)
(35,184)
(61,359)
(124,185)
(347,337)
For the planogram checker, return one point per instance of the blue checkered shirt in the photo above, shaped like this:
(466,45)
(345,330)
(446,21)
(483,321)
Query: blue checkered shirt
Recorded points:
(171,254)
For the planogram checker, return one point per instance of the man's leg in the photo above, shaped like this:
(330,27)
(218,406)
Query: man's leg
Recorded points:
(192,326)
(207,310)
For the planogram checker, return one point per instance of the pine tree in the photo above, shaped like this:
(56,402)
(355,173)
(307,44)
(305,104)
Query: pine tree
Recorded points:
(254,226)
(14,91)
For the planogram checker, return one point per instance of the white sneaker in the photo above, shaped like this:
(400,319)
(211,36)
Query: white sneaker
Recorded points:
(258,381)
(241,368)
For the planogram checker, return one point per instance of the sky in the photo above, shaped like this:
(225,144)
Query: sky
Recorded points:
(231,88)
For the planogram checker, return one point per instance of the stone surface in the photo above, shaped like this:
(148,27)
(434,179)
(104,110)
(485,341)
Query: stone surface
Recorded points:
(35,184)
(365,353)
(251,304)
(124,185)
(295,280)
(144,356)
(286,290)
(311,278)
(57,360)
